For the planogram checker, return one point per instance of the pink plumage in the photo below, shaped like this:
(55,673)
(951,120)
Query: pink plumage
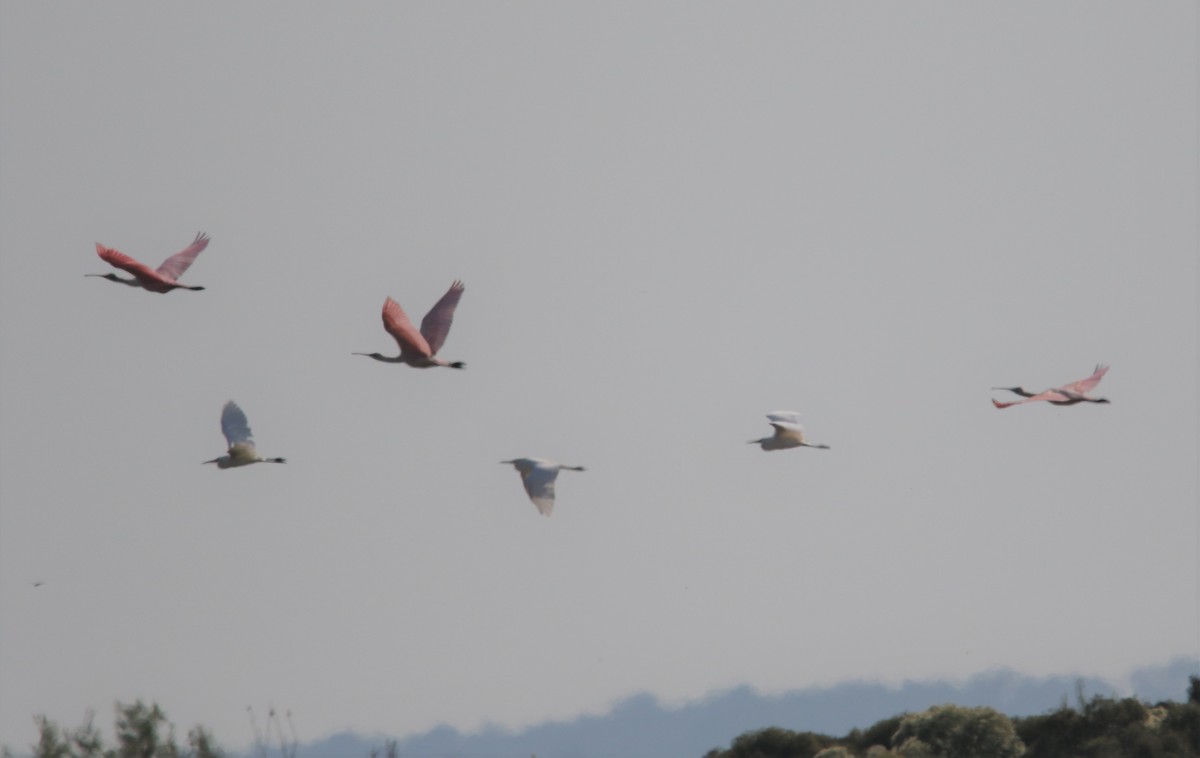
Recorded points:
(420,348)
(165,278)
(1068,394)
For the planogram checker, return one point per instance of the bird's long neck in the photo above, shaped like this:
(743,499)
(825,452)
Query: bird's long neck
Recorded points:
(115,278)
(383,358)
(1017,390)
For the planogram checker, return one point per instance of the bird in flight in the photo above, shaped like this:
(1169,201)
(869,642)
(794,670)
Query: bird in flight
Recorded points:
(1068,394)
(241,446)
(538,475)
(163,279)
(419,349)
(38,583)
(788,433)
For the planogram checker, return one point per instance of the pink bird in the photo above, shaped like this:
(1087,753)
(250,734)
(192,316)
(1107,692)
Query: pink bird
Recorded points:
(164,279)
(1068,394)
(419,349)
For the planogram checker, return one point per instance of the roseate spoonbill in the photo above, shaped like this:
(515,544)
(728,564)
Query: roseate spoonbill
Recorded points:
(1068,394)
(237,434)
(418,349)
(538,475)
(164,279)
(788,433)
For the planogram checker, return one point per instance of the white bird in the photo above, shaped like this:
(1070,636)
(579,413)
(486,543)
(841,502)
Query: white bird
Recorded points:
(788,433)
(237,433)
(538,475)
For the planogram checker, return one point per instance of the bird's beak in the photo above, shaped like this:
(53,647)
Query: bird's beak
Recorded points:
(214,460)
(504,462)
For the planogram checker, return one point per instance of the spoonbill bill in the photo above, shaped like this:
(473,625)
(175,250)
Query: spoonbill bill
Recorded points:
(1068,394)
(788,433)
(164,278)
(538,475)
(419,348)
(237,434)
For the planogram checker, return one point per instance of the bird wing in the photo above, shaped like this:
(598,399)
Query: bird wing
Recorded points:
(173,267)
(436,324)
(1084,386)
(122,261)
(396,322)
(235,427)
(539,485)
(787,430)
(786,417)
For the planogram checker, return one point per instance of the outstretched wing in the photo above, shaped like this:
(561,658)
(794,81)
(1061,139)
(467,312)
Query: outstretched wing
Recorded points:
(539,485)
(396,322)
(173,267)
(436,324)
(1084,386)
(784,417)
(235,427)
(122,261)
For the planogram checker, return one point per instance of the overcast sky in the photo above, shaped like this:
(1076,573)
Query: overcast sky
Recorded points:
(671,218)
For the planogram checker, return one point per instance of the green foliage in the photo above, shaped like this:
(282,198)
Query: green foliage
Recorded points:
(51,740)
(138,732)
(202,744)
(879,734)
(1109,728)
(775,743)
(957,732)
(1101,727)
(85,740)
(142,732)
(54,742)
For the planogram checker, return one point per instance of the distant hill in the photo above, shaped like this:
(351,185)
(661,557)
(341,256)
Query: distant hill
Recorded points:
(640,727)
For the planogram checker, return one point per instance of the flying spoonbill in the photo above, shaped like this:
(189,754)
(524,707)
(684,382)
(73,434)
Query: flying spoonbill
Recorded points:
(419,348)
(1068,394)
(237,434)
(164,279)
(788,433)
(538,475)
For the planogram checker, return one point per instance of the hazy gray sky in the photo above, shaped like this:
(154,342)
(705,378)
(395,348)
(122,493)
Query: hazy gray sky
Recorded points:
(670,218)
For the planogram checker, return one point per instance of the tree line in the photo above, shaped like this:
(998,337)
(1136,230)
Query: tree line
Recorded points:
(1099,727)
